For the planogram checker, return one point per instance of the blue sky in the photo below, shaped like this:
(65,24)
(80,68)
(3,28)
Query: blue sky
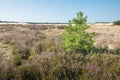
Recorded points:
(59,10)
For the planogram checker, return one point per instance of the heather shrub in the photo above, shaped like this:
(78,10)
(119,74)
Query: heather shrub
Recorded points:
(58,66)
(53,46)
(49,45)
(65,72)
(17,55)
(61,67)
(22,51)
(6,71)
(40,47)
(6,41)
(99,64)
(64,67)
(61,27)
(105,50)
(30,73)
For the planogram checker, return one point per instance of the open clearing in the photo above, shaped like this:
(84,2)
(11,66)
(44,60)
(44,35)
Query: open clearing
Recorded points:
(106,35)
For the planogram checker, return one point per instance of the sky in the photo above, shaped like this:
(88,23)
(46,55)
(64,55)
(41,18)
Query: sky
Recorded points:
(59,10)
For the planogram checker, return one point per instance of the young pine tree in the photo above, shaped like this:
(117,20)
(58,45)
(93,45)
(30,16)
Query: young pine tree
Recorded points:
(75,38)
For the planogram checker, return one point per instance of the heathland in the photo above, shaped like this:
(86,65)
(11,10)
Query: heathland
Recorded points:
(35,52)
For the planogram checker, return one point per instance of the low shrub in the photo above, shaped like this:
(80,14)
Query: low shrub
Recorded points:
(49,46)
(105,50)
(6,71)
(65,67)
(40,47)
(22,51)
(66,73)
(30,73)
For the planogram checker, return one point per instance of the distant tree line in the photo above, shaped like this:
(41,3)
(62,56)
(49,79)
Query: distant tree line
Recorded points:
(46,22)
(116,22)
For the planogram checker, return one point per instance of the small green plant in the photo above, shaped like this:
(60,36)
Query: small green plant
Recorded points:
(40,47)
(22,51)
(31,55)
(116,22)
(75,38)
(17,60)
